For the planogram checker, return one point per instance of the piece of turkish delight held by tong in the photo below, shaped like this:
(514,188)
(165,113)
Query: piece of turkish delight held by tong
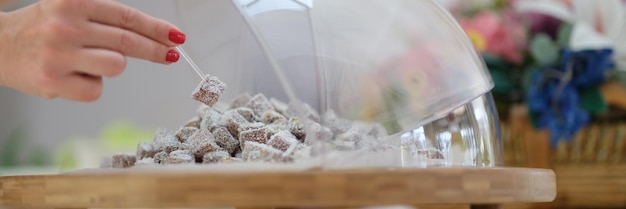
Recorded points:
(210,88)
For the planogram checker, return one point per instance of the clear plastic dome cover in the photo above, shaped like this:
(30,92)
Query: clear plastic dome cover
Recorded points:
(402,65)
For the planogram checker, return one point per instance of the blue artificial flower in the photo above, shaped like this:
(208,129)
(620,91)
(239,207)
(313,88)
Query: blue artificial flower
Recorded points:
(555,100)
(589,66)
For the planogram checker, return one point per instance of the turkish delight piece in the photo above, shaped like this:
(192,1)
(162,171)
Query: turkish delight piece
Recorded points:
(230,160)
(283,140)
(238,153)
(214,157)
(211,118)
(335,124)
(272,117)
(300,152)
(367,142)
(165,140)
(273,128)
(160,157)
(431,154)
(365,135)
(254,152)
(240,101)
(184,146)
(246,113)
(316,132)
(303,110)
(224,139)
(378,131)
(259,104)
(345,145)
(348,140)
(145,161)
(193,122)
(209,90)
(145,150)
(123,161)
(204,109)
(180,157)
(296,127)
(202,142)
(234,121)
(257,135)
(184,133)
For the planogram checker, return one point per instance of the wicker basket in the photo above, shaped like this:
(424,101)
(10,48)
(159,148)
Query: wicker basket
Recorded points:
(591,169)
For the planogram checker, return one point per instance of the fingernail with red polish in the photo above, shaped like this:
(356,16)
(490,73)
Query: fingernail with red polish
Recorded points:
(177,36)
(172,56)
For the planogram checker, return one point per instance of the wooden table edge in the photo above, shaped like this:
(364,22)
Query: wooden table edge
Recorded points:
(172,188)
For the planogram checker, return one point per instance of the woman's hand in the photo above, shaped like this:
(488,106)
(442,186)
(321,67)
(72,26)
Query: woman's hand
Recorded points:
(63,48)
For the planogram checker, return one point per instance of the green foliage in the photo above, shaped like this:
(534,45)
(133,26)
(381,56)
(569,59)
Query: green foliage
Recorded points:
(500,73)
(564,34)
(591,100)
(543,50)
(123,134)
(10,150)
(16,151)
(65,158)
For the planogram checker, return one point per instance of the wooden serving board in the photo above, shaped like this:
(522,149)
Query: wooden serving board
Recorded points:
(173,187)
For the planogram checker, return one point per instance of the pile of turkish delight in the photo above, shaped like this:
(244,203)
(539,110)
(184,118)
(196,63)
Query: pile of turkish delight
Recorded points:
(250,129)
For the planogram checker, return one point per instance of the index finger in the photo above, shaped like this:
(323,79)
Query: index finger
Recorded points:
(118,15)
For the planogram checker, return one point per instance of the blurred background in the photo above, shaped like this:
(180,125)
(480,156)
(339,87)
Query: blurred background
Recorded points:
(558,67)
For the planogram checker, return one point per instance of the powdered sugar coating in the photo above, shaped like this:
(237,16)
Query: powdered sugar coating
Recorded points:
(234,121)
(180,157)
(296,128)
(230,160)
(299,109)
(283,140)
(209,90)
(273,128)
(184,146)
(246,113)
(348,140)
(224,139)
(145,161)
(160,157)
(123,161)
(335,124)
(276,132)
(240,101)
(272,116)
(211,118)
(254,151)
(259,104)
(145,150)
(184,133)
(257,135)
(165,140)
(214,157)
(193,122)
(316,132)
(377,131)
(202,142)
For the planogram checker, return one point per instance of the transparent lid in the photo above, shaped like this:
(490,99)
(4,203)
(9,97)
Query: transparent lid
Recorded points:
(397,64)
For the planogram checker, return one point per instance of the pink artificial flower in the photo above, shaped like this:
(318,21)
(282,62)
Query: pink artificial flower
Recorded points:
(504,35)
